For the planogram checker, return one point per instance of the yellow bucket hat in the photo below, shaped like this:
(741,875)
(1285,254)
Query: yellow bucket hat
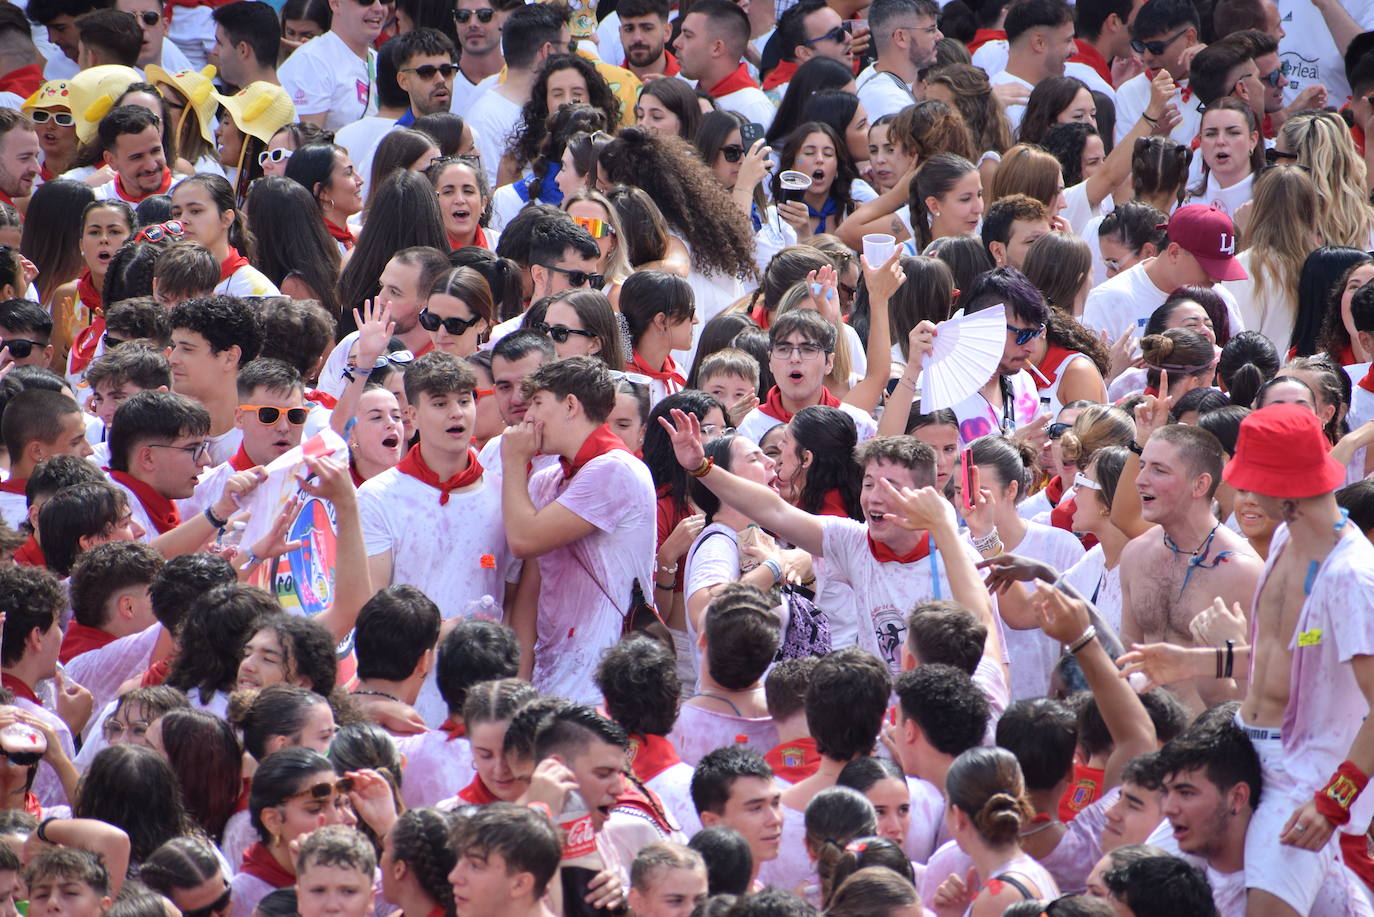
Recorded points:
(259,109)
(93,92)
(199,90)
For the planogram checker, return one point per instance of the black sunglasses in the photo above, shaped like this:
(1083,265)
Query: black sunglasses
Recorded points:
(732,153)
(214,907)
(483,15)
(1156,47)
(150,18)
(1273,156)
(111,342)
(560,332)
(1057,430)
(366,3)
(578,278)
(22,758)
(20,348)
(836,34)
(427,71)
(454,325)
(1274,76)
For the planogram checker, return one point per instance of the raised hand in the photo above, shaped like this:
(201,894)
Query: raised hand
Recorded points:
(824,300)
(1061,618)
(1160,663)
(1006,569)
(916,510)
(375,329)
(884,279)
(684,431)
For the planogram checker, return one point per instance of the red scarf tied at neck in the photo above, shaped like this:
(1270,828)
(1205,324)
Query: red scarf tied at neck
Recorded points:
(736,81)
(231,264)
(670,372)
(259,862)
(477,793)
(650,756)
(414,465)
(774,409)
(885,555)
(340,233)
(124,194)
(599,442)
(162,512)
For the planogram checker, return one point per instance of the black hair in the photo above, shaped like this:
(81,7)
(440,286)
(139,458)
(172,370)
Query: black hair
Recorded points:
(658,447)
(153,416)
(278,778)
(528,29)
(32,599)
(74,512)
(277,710)
(1043,734)
(1010,286)
(420,839)
(181,580)
(1164,16)
(1247,362)
(34,415)
(729,863)
(150,817)
(638,679)
(815,75)
(946,632)
(105,570)
(292,238)
(950,709)
(1358,499)
(717,771)
(830,435)
(125,119)
(1161,884)
(25,315)
(246,22)
(475,650)
(846,701)
(224,322)
(395,628)
(212,637)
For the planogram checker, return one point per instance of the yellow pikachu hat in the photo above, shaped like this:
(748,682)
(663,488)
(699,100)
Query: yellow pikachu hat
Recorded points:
(259,109)
(93,92)
(198,89)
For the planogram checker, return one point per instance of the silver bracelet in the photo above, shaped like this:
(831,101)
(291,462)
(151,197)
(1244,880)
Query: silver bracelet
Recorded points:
(982,544)
(1088,636)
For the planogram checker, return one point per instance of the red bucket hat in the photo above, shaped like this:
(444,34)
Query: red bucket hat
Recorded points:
(1281,452)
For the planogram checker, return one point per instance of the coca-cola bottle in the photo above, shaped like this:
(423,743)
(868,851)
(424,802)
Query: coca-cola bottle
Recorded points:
(581,861)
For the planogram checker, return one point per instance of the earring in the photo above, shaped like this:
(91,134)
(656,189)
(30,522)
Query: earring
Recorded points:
(935,213)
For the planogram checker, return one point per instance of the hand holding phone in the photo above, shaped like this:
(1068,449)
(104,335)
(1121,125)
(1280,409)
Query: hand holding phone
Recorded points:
(966,478)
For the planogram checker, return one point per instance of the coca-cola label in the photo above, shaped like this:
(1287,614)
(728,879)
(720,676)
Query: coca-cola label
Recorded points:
(579,838)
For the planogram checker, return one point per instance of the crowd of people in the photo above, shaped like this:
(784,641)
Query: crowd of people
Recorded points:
(470,458)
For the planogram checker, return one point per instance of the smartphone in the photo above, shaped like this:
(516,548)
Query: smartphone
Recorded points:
(966,476)
(749,134)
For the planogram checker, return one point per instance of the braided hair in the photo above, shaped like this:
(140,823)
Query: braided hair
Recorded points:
(420,839)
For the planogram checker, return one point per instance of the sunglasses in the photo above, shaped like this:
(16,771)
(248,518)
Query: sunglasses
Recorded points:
(214,907)
(277,155)
(344,785)
(483,15)
(1273,78)
(1026,335)
(1081,480)
(1156,47)
(632,378)
(111,342)
(836,34)
(560,332)
(599,229)
(367,3)
(20,348)
(150,18)
(1057,430)
(270,415)
(732,153)
(427,71)
(43,116)
(159,231)
(454,325)
(1273,156)
(578,278)
(22,758)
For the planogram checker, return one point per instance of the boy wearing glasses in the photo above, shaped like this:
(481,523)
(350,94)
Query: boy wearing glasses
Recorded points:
(801,354)
(26,330)
(458,554)
(271,414)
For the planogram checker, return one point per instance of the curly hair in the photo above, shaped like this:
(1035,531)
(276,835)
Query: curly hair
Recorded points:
(527,141)
(420,839)
(932,127)
(694,203)
(638,678)
(1063,329)
(560,127)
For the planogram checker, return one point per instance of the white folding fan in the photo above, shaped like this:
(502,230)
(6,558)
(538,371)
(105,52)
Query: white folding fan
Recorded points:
(966,354)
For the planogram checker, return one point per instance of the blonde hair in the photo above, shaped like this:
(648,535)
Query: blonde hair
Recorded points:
(1280,232)
(798,296)
(618,264)
(1098,425)
(1322,144)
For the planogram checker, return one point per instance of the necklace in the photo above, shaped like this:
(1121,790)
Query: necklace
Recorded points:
(381,694)
(1197,558)
(1040,823)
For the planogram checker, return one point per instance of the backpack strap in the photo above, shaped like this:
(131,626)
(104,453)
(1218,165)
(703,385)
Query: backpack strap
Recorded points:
(1016,884)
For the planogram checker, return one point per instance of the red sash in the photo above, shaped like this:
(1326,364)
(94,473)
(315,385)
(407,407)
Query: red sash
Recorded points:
(599,442)
(162,512)
(794,761)
(231,264)
(736,81)
(477,793)
(670,372)
(259,862)
(885,555)
(774,409)
(650,756)
(414,465)
(123,194)
(82,639)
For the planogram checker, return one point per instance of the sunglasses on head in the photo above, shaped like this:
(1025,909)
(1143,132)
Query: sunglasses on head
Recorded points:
(1273,156)
(427,71)
(1026,335)
(61,118)
(560,333)
(159,231)
(214,907)
(20,348)
(578,278)
(633,378)
(599,229)
(277,155)
(325,790)
(732,153)
(269,415)
(483,15)
(111,342)
(453,325)
(836,34)
(1156,47)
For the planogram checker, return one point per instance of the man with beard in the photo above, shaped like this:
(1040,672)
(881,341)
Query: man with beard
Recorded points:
(904,34)
(644,34)
(479,24)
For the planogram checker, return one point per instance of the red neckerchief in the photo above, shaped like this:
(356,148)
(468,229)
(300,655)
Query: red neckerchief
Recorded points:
(240,461)
(983,36)
(650,756)
(1049,366)
(1084,789)
(23,82)
(429,345)
(156,673)
(259,863)
(1367,383)
(1087,54)
(162,512)
(646,802)
(87,293)
(18,688)
(1152,390)
(832,504)
(1185,91)
(1267,127)
(670,65)
(123,194)
(414,465)
(774,409)
(1346,356)
(599,442)
(45,173)
(33,806)
(14,486)
(87,340)
(670,371)
(885,555)
(479,239)
(1054,490)
(323,399)
(358,480)
(794,761)
(340,233)
(245,793)
(82,639)
(453,730)
(780,74)
(30,554)
(1061,517)
(229,265)
(736,81)
(760,316)
(477,793)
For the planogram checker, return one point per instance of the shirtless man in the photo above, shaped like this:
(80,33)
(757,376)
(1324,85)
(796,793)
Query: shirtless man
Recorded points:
(1311,667)
(1188,558)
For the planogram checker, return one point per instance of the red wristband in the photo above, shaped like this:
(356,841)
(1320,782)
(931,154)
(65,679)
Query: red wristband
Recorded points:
(1335,799)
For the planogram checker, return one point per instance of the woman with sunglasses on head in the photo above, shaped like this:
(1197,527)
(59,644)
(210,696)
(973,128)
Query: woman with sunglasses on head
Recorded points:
(458,312)
(50,111)
(80,304)
(549,179)
(328,174)
(1097,575)
(204,205)
(465,201)
(578,171)
(293,249)
(742,172)
(187,872)
(255,114)
(659,309)
(582,323)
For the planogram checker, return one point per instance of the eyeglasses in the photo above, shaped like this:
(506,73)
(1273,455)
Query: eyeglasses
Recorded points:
(150,18)
(20,348)
(483,15)
(61,118)
(578,278)
(560,332)
(427,71)
(732,153)
(807,352)
(1156,47)
(396,358)
(1057,430)
(270,415)
(197,451)
(159,231)
(714,431)
(343,786)
(215,907)
(113,730)
(836,34)
(1081,480)
(1026,335)
(599,229)
(277,155)
(455,326)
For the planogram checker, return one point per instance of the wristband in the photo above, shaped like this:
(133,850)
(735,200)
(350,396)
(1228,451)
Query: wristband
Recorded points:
(541,807)
(1088,636)
(982,544)
(1335,799)
(42,831)
(1230,658)
(775,568)
(706,465)
(215,520)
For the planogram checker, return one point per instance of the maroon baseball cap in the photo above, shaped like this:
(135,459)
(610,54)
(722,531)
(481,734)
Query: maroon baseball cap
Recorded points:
(1208,235)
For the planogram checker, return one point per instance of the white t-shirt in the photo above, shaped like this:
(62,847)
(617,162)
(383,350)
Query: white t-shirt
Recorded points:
(1034,655)
(992,57)
(1098,585)
(324,76)
(14,508)
(586,585)
(750,102)
(713,559)
(977,417)
(699,731)
(1126,301)
(458,554)
(247,281)
(361,139)
(436,767)
(1229,199)
(102,670)
(494,117)
(465,92)
(1133,95)
(1272,312)
(1308,52)
(109,191)
(882,92)
(756,423)
(1014,112)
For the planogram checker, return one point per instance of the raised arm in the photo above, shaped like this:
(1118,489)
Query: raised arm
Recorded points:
(882,282)
(1159,117)
(193,534)
(898,409)
(532,532)
(375,328)
(878,215)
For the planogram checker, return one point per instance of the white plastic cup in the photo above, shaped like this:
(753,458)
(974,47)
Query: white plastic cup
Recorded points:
(878,248)
(794,184)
